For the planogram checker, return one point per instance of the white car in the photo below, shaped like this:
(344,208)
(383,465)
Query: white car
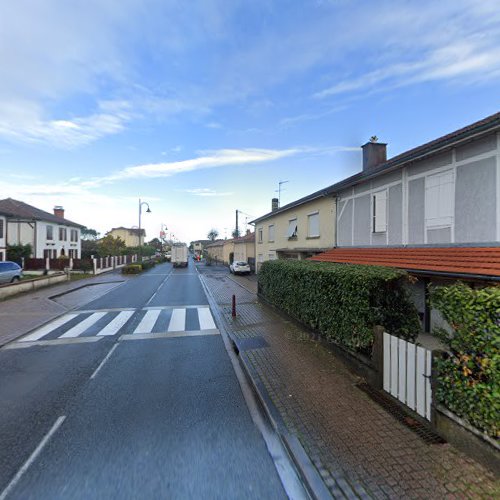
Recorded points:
(239,267)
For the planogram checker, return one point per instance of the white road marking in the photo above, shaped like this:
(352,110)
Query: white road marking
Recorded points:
(32,458)
(205,319)
(148,322)
(158,289)
(104,361)
(77,340)
(170,335)
(177,321)
(45,330)
(116,324)
(84,325)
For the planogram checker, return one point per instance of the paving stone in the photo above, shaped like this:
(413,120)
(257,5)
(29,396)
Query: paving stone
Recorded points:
(346,433)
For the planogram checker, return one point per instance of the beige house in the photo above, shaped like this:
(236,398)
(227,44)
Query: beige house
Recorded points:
(244,248)
(129,235)
(298,230)
(215,250)
(228,252)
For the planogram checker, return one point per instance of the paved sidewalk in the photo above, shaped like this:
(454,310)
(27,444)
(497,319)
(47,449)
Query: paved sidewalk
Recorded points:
(348,436)
(24,312)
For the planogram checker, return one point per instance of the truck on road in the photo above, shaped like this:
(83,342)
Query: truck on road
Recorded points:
(179,255)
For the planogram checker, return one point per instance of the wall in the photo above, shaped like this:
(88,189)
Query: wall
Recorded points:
(216,252)
(130,240)
(475,209)
(244,251)
(228,249)
(55,244)
(267,250)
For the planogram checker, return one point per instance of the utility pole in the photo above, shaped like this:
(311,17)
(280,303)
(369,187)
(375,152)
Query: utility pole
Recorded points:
(237,230)
(279,191)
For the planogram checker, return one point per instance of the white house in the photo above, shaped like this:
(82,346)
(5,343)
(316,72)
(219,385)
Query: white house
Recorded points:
(50,235)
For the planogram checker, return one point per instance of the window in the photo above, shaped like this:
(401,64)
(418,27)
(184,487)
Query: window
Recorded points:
(50,233)
(1,256)
(1,228)
(313,225)
(260,258)
(439,199)
(260,235)
(272,256)
(62,234)
(379,203)
(74,235)
(271,233)
(292,228)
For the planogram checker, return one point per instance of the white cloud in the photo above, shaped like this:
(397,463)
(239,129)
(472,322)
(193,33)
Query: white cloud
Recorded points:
(206,192)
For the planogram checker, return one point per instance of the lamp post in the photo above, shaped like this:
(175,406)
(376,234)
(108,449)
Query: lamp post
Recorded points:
(148,211)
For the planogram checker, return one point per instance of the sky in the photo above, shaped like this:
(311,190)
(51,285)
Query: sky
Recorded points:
(200,108)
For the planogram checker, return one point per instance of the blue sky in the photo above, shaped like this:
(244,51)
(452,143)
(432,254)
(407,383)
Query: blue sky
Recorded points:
(201,107)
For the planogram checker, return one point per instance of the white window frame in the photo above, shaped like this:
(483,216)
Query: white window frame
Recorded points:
(292,228)
(440,200)
(270,237)
(50,229)
(260,235)
(379,211)
(309,233)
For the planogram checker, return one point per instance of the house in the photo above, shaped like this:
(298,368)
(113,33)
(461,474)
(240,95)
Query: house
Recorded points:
(244,248)
(3,236)
(50,235)
(228,252)
(199,245)
(215,250)
(130,236)
(433,211)
(298,230)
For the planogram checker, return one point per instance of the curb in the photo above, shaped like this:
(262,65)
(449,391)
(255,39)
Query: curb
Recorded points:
(306,470)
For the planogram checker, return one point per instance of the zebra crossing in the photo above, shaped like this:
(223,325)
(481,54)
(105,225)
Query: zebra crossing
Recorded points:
(130,322)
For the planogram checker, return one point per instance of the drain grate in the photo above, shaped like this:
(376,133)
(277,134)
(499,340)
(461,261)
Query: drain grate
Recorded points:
(422,430)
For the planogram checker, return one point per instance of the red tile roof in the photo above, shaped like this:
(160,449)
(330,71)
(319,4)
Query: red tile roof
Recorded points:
(473,261)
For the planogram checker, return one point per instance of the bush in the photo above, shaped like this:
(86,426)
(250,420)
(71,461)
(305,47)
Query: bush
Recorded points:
(148,264)
(132,269)
(342,302)
(468,381)
(16,253)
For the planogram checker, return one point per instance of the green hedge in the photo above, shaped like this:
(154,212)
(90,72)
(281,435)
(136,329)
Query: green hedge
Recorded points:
(469,375)
(132,269)
(148,264)
(342,302)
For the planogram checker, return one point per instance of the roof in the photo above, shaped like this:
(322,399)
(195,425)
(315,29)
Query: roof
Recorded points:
(132,230)
(216,243)
(433,147)
(247,238)
(19,209)
(464,262)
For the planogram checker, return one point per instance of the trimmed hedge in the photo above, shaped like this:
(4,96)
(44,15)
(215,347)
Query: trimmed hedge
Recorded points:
(148,264)
(132,269)
(468,381)
(342,302)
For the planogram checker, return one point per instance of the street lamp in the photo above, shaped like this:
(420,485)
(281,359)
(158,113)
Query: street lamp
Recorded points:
(148,211)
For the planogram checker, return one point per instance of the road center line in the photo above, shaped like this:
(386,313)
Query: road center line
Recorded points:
(103,362)
(158,289)
(32,458)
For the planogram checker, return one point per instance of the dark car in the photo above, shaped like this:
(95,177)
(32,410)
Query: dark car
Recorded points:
(10,272)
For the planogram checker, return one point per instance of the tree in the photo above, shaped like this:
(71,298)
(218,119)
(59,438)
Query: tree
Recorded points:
(89,248)
(212,234)
(235,233)
(15,253)
(89,234)
(110,246)
(156,244)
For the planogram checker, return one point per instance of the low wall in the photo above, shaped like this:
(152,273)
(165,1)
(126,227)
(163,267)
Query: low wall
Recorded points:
(30,285)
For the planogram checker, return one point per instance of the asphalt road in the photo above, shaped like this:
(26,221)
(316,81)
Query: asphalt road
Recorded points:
(133,395)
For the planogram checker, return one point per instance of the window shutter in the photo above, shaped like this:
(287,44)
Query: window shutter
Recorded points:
(439,199)
(313,225)
(292,228)
(380,212)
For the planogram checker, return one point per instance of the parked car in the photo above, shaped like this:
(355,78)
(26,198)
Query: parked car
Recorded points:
(10,272)
(239,267)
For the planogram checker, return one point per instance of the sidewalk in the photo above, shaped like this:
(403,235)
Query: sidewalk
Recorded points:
(349,437)
(25,312)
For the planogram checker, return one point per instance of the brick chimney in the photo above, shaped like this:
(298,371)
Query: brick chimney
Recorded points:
(274,204)
(59,211)
(374,154)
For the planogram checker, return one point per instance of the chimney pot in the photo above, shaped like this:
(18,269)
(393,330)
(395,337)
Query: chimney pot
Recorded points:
(59,211)
(374,154)
(274,204)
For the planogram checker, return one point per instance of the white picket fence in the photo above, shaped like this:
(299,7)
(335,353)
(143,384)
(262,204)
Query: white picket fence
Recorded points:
(407,372)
